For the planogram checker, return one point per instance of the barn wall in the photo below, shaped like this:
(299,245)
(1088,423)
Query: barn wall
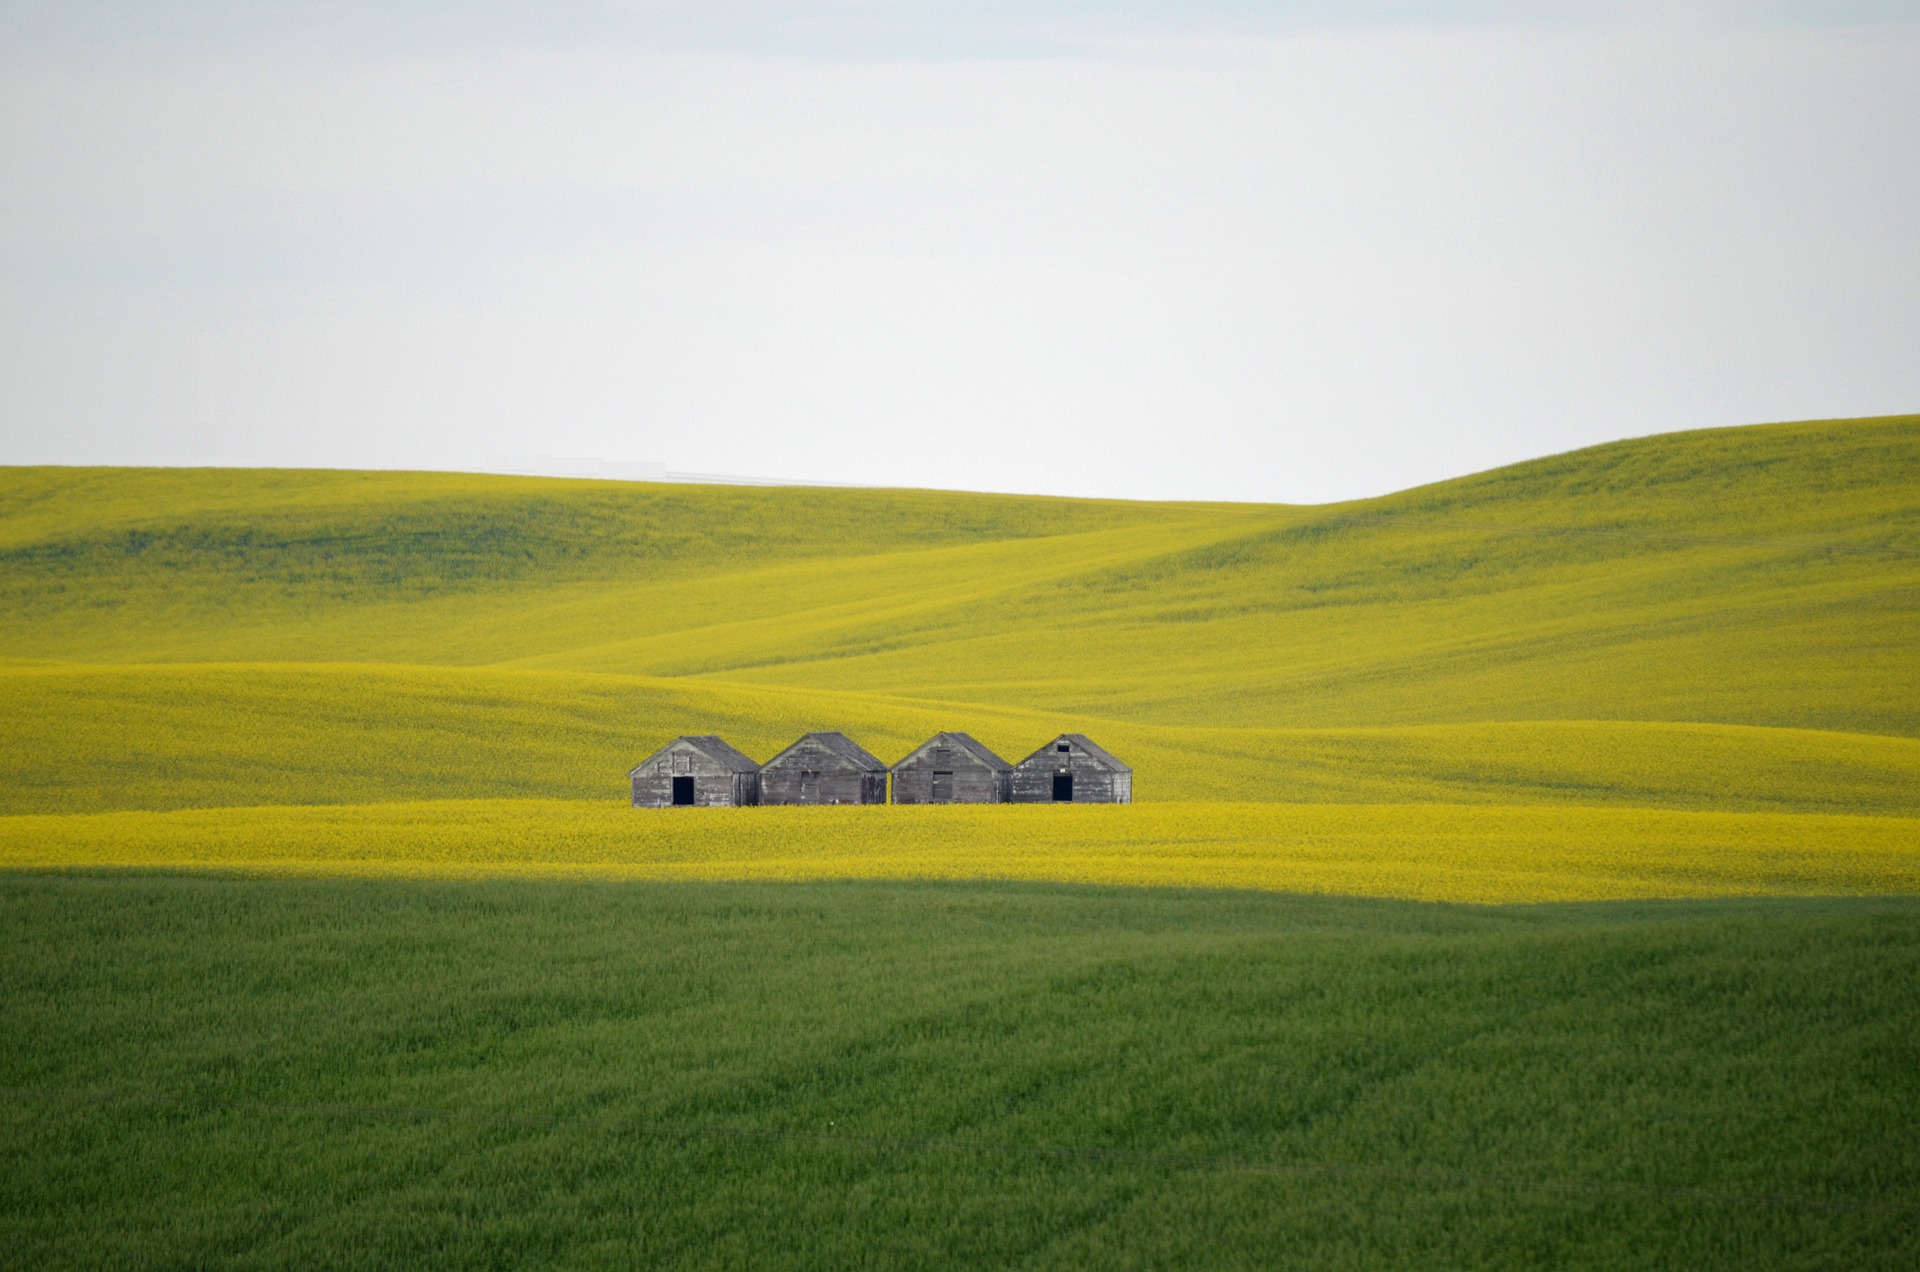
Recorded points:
(840,785)
(974,781)
(1093,783)
(839,782)
(714,785)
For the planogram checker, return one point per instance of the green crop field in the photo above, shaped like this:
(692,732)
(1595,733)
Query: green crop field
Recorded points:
(206,1072)
(1521,873)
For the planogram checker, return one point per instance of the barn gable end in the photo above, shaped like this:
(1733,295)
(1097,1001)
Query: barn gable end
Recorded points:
(952,768)
(1072,768)
(697,770)
(823,768)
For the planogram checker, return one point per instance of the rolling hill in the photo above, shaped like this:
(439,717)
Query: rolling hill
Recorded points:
(1715,621)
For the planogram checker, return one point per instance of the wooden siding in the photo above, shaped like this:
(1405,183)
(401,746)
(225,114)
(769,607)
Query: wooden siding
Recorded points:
(714,784)
(1093,782)
(813,774)
(973,781)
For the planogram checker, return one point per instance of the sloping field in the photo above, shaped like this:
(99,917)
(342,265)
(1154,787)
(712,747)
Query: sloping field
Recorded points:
(1724,621)
(183,736)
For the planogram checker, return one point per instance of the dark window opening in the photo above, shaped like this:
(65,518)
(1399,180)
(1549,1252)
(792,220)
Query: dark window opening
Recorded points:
(1062,747)
(1063,788)
(682,792)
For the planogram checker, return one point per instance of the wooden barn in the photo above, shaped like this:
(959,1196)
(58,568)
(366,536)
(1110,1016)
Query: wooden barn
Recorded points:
(698,770)
(823,768)
(1072,769)
(952,768)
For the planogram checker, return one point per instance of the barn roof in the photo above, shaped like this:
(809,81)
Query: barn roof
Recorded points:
(711,745)
(841,745)
(1105,757)
(966,742)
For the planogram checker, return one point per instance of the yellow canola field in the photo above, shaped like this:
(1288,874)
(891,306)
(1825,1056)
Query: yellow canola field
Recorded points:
(103,739)
(1457,853)
(1672,666)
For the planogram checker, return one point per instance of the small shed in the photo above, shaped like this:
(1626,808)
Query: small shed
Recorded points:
(1072,769)
(823,768)
(697,770)
(952,768)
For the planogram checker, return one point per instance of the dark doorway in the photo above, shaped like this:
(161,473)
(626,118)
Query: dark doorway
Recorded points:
(942,787)
(682,792)
(1063,788)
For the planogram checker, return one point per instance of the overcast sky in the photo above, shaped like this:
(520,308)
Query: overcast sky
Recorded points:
(1151,249)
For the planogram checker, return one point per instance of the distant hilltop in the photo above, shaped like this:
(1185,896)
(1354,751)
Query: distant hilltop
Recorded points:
(640,470)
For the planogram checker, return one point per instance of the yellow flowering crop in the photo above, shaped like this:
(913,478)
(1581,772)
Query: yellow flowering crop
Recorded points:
(1672,666)
(1429,852)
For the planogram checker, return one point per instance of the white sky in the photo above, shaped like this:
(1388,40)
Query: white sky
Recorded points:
(1215,250)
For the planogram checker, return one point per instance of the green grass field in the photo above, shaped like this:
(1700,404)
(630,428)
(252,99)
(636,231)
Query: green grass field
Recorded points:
(217,1072)
(413,985)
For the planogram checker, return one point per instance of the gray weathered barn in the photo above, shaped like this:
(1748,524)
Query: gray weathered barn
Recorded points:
(696,770)
(952,768)
(1072,769)
(823,768)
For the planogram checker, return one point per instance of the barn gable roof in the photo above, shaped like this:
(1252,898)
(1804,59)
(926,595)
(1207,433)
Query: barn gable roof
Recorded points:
(841,745)
(966,742)
(1105,758)
(711,745)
